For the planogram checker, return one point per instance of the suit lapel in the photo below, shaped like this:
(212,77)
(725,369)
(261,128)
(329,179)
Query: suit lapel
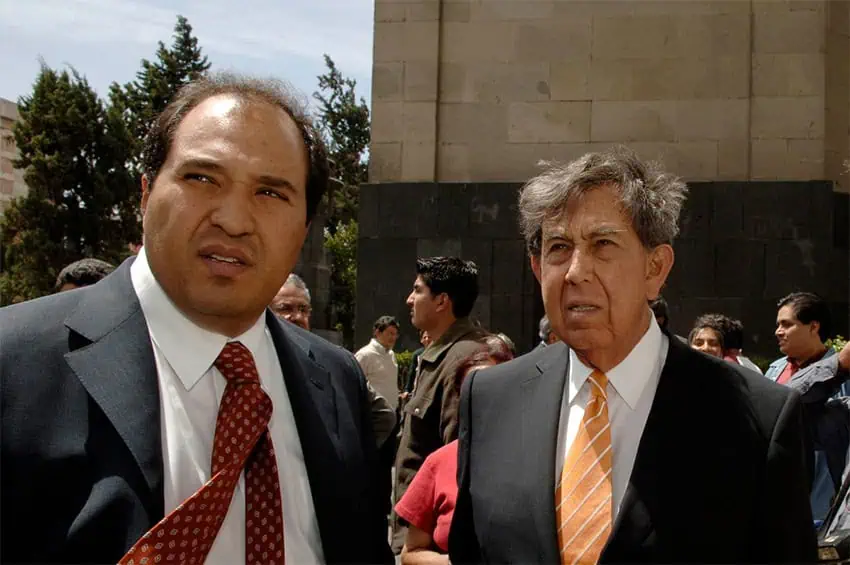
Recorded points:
(115,363)
(313,401)
(633,528)
(308,383)
(541,397)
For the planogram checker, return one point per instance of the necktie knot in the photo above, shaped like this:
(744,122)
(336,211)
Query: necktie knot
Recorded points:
(236,364)
(598,385)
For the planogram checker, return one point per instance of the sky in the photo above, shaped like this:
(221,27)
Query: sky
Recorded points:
(105,40)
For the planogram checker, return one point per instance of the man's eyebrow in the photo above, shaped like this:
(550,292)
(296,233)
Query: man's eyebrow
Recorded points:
(275,182)
(204,164)
(606,230)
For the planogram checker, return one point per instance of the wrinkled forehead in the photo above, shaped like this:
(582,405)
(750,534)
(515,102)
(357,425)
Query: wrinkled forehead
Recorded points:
(595,211)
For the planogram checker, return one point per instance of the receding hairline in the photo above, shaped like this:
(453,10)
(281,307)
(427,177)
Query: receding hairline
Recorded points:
(245,101)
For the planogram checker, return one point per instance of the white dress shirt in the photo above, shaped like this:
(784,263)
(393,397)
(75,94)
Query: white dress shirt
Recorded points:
(381,369)
(190,390)
(631,389)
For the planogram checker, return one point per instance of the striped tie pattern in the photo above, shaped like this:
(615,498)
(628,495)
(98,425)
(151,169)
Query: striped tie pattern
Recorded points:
(583,494)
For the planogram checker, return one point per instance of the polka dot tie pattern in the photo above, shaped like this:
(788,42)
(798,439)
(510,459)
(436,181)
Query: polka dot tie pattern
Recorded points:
(242,442)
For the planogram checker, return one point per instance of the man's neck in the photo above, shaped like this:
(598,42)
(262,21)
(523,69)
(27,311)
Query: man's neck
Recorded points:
(441,328)
(810,356)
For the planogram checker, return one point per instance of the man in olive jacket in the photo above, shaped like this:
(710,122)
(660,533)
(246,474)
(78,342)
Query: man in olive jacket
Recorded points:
(443,295)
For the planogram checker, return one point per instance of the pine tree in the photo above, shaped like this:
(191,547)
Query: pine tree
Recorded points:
(139,102)
(74,155)
(344,123)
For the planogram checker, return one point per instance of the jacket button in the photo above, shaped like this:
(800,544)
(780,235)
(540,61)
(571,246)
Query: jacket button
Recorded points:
(416,411)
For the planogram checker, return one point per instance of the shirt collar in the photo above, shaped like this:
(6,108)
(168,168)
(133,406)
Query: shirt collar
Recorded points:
(190,349)
(377,346)
(457,330)
(631,376)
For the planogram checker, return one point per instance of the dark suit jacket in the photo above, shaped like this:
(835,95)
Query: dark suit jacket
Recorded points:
(720,474)
(82,472)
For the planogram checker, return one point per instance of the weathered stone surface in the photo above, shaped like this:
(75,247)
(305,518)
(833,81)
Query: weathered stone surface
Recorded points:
(508,263)
(530,122)
(788,117)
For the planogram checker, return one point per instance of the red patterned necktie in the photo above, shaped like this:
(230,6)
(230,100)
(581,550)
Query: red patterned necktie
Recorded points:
(242,441)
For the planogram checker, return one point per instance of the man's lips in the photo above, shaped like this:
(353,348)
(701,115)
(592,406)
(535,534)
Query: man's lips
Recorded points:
(226,254)
(582,307)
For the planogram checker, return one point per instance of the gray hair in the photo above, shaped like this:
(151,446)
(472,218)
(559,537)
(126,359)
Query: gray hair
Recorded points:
(545,328)
(298,282)
(652,198)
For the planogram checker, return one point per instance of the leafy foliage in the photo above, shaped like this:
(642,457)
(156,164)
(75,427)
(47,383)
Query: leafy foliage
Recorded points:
(139,102)
(83,162)
(73,152)
(342,245)
(837,343)
(404,359)
(344,124)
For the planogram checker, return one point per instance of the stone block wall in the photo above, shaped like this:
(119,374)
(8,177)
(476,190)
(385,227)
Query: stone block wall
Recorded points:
(480,90)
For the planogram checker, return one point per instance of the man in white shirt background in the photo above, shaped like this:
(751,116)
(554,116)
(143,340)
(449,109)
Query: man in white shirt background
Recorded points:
(165,414)
(377,359)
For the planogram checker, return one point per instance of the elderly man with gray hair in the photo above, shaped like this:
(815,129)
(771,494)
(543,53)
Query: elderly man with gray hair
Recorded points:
(617,444)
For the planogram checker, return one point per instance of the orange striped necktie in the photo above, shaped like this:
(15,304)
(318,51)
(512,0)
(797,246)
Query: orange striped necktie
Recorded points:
(583,495)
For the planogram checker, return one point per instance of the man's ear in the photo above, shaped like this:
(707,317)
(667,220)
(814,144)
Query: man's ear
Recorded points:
(444,302)
(659,263)
(535,266)
(146,192)
(816,328)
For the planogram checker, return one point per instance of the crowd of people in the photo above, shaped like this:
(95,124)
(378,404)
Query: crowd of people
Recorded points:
(178,409)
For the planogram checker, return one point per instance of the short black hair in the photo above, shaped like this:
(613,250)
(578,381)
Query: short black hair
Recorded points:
(453,276)
(808,307)
(84,272)
(733,335)
(161,134)
(660,309)
(716,322)
(385,322)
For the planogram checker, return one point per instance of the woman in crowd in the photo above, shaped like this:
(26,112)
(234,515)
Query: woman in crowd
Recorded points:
(429,503)
(707,335)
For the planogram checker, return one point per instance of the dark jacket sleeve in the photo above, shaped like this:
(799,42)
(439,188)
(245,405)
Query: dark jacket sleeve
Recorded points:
(787,532)
(381,552)
(463,543)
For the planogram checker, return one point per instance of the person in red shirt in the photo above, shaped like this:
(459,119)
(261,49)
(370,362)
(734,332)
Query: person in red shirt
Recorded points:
(429,502)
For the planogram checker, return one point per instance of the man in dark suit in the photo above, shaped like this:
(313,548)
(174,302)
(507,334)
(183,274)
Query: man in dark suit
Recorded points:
(166,401)
(621,444)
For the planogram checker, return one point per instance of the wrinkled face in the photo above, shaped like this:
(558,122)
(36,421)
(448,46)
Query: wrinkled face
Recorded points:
(425,308)
(796,339)
(708,341)
(225,218)
(596,278)
(292,305)
(388,337)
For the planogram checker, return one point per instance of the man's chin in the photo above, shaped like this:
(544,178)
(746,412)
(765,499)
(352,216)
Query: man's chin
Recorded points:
(586,338)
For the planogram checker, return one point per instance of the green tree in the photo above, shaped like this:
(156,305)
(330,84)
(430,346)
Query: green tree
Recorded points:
(74,155)
(342,245)
(139,102)
(344,123)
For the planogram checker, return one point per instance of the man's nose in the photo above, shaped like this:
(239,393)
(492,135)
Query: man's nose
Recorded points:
(580,267)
